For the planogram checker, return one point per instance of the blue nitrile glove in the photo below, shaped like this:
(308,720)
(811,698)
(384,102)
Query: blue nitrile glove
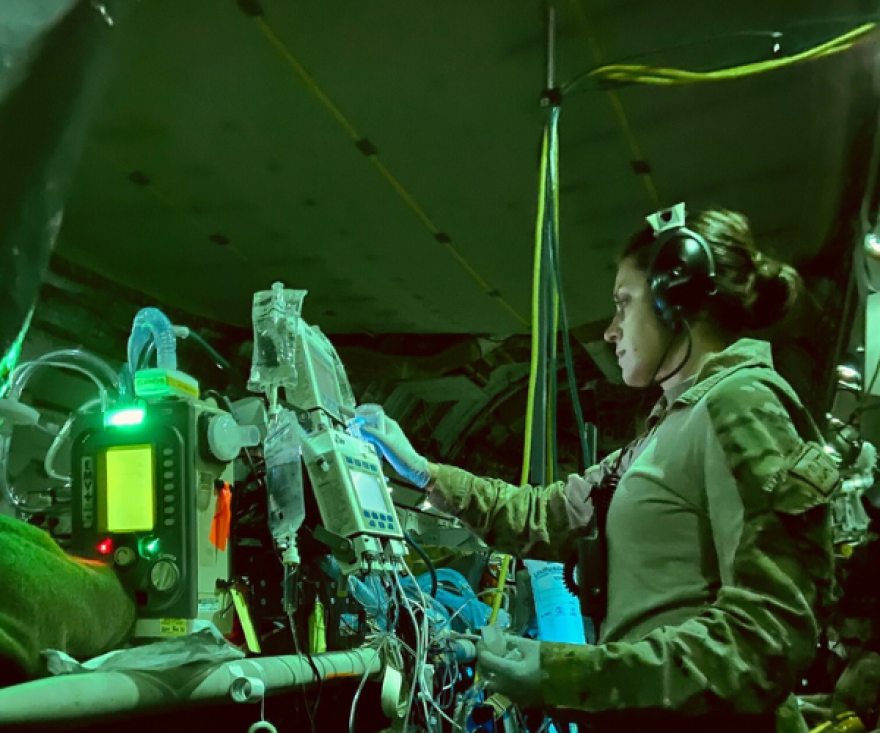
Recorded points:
(397,450)
(516,674)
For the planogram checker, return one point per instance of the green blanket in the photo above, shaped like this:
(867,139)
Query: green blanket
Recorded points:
(51,600)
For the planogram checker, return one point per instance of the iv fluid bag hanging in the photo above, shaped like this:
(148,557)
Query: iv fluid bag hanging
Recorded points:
(284,477)
(276,316)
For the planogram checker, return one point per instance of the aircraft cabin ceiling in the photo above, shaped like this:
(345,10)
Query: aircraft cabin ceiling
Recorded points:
(214,168)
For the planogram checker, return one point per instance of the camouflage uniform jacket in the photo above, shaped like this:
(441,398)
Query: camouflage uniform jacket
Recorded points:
(719,549)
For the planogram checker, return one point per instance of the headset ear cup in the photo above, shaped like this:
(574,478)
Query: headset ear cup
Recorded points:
(681,275)
(687,295)
(659,285)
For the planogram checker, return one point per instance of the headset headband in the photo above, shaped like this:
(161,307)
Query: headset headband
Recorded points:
(671,224)
(674,217)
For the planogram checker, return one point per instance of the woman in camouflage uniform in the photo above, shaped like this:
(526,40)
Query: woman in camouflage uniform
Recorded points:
(718,536)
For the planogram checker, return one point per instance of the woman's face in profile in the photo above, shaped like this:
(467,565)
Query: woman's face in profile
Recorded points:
(639,336)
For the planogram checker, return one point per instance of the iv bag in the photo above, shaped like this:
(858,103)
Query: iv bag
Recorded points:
(284,479)
(276,316)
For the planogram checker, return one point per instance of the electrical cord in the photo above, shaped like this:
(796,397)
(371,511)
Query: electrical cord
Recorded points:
(449,678)
(419,663)
(536,314)
(311,664)
(398,646)
(572,85)
(149,348)
(553,252)
(218,360)
(687,356)
(222,398)
(541,222)
(449,720)
(310,659)
(425,696)
(643,74)
(467,603)
(357,694)
(427,560)
(259,479)
(653,381)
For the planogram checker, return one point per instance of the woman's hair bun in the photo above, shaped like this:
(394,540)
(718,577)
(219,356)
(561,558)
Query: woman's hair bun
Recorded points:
(775,291)
(750,290)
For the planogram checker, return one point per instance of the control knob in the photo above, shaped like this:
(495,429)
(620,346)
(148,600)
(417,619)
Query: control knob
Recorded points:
(124,556)
(164,576)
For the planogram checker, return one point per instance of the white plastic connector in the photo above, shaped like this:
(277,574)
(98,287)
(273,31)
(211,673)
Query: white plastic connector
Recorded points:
(250,435)
(290,556)
(223,437)
(396,550)
(247,689)
(226,437)
(14,413)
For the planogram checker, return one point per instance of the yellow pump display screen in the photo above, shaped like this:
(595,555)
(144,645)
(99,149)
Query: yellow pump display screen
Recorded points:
(126,489)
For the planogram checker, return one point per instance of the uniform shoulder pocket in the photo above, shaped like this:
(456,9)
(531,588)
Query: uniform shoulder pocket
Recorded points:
(808,480)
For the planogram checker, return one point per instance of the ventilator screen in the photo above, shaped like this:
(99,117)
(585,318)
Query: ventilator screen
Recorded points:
(126,497)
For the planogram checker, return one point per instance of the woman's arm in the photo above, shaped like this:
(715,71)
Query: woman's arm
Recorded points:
(537,522)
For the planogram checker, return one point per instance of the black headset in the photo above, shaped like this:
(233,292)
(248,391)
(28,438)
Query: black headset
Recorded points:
(682,270)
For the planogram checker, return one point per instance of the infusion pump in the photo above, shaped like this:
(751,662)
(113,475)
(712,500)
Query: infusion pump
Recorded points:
(354,501)
(308,428)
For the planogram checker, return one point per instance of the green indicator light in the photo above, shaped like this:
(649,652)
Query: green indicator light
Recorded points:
(149,547)
(125,418)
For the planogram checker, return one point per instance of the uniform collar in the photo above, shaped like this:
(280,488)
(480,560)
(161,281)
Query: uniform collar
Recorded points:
(742,354)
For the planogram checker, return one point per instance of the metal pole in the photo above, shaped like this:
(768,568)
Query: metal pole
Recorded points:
(89,696)
(551,44)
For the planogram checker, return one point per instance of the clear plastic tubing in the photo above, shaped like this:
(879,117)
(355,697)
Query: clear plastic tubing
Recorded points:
(152,321)
(72,356)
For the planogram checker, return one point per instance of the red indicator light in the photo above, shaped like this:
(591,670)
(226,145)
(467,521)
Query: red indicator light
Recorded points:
(106,546)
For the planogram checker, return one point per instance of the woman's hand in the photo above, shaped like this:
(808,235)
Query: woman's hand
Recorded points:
(517,674)
(395,448)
